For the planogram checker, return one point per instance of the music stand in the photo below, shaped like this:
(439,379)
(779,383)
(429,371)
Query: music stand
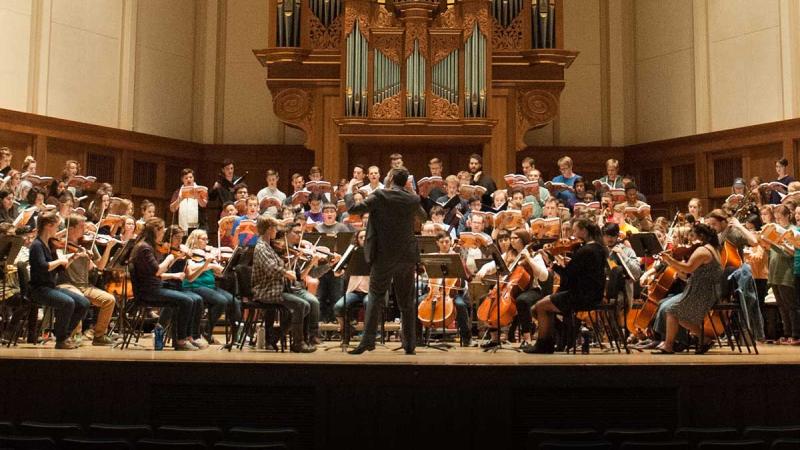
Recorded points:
(501,270)
(645,244)
(355,265)
(442,266)
(321,240)
(10,246)
(119,262)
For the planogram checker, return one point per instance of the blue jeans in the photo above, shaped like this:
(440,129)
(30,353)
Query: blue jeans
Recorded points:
(352,300)
(303,305)
(69,308)
(218,301)
(183,303)
(329,291)
(660,321)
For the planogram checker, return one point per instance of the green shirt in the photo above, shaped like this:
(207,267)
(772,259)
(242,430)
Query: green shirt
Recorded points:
(205,279)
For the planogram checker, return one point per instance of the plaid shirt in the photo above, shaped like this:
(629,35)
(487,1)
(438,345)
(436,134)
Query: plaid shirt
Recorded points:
(267,274)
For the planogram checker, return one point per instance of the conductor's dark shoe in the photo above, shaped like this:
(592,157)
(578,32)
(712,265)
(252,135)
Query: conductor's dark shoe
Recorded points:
(302,348)
(542,346)
(361,349)
(410,351)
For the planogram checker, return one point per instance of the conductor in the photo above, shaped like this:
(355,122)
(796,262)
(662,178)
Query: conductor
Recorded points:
(391,250)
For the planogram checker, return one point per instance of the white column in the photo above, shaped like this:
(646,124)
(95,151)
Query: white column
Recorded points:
(209,74)
(127,65)
(702,86)
(790,57)
(621,73)
(39,56)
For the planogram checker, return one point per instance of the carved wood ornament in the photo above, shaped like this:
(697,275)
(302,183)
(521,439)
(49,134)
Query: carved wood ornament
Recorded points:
(443,109)
(507,38)
(295,106)
(387,109)
(535,107)
(389,44)
(325,38)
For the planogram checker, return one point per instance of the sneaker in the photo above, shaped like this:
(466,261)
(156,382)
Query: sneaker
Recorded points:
(186,346)
(88,334)
(199,343)
(65,345)
(102,340)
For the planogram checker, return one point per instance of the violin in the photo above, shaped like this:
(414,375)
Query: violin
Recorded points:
(562,246)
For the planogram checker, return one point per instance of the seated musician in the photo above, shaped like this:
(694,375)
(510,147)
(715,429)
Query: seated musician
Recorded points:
(146,278)
(445,246)
(76,277)
(173,279)
(269,275)
(69,307)
(201,272)
(583,282)
(627,268)
(701,292)
(535,266)
(313,266)
(356,294)
(128,230)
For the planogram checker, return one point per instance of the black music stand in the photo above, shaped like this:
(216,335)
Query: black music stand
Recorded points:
(355,264)
(645,244)
(442,266)
(501,270)
(10,246)
(119,262)
(321,240)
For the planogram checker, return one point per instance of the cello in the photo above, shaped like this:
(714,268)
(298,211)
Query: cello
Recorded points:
(429,311)
(509,287)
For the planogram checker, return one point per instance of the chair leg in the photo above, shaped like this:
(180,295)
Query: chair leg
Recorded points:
(246,330)
(714,329)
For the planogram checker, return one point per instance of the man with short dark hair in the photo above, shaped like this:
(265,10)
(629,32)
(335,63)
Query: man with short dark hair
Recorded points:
(189,209)
(478,177)
(391,251)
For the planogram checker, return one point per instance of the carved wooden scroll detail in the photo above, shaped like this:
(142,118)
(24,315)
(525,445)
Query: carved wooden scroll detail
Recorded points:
(387,109)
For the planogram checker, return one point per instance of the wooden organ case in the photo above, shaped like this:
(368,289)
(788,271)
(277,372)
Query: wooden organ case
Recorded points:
(473,73)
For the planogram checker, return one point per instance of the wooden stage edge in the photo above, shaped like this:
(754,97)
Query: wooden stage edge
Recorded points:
(330,353)
(394,400)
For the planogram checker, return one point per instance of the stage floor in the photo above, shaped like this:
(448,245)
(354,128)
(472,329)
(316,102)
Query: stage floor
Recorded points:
(383,355)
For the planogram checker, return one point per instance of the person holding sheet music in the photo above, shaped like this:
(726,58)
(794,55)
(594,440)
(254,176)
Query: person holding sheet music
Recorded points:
(567,177)
(70,308)
(271,191)
(314,213)
(612,179)
(479,178)
(223,189)
(640,219)
(435,167)
(246,236)
(454,206)
(539,200)
(783,177)
(240,195)
(75,277)
(187,202)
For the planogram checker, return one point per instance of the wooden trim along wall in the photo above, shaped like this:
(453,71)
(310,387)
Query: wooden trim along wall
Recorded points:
(669,172)
(705,165)
(140,165)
